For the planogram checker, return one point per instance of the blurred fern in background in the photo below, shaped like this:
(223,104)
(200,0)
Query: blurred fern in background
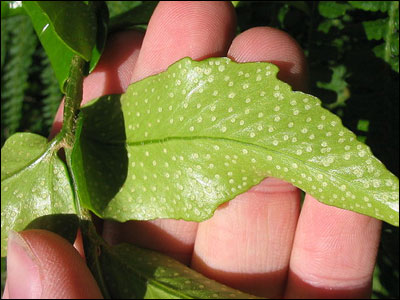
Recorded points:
(353,53)
(20,43)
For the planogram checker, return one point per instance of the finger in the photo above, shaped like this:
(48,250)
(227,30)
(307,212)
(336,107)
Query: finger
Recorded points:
(275,46)
(176,30)
(171,237)
(333,254)
(247,243)
(198,29)
(113,72)
(41,264)
(78,245)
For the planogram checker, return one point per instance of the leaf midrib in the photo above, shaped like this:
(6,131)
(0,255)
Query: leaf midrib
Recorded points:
(154,281)
(32,164)
(172,138)
(150,279)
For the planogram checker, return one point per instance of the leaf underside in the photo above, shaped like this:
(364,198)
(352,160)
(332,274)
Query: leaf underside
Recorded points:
(180,143)
(34,185)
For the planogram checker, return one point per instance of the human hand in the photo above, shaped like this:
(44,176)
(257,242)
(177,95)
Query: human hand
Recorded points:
(259,242)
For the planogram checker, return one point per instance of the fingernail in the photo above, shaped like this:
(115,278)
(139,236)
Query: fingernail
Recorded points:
(23,270)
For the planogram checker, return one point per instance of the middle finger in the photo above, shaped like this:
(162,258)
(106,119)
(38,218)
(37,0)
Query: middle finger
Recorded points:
(247,243)
(176,30)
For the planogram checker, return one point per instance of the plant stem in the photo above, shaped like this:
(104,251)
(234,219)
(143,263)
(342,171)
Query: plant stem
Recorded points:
(92,242)
(93,245)
(73,98)
(390,29)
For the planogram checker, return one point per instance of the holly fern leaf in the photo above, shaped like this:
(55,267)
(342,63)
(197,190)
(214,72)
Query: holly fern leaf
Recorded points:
(180,143)
(134,273)
(35,188)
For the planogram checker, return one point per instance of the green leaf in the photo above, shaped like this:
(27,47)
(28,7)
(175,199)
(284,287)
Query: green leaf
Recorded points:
(338,85)
(134,273)
(381,52)
(100,10)
(65,28)
(65,225)
(178,144)
(34,183)
(11,8)
(332,9)
(327,24)
(382,6)
(363,125)
(106,163)
(235,3)
(283,10)
(385,29)
(62,16)
(375,30)
(138,15)
(3,273)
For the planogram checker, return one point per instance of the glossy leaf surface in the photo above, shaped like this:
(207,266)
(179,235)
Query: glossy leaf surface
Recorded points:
(34,184)
(134,273)
(99,8)
(178,144)
(64,28)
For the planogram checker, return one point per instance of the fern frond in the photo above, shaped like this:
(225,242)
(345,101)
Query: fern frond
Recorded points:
(386,29)
(4,38)
(19,57)
(51,92)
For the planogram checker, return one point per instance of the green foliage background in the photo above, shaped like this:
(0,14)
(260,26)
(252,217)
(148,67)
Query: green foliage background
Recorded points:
(353,53)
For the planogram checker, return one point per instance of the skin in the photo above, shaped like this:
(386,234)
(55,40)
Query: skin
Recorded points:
(259,242)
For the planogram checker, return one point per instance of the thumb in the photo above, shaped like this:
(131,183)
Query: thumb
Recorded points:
(41,264)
